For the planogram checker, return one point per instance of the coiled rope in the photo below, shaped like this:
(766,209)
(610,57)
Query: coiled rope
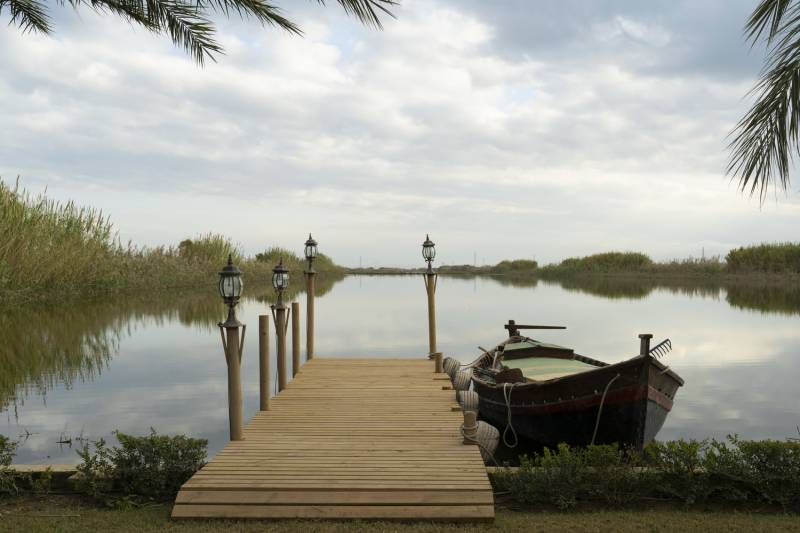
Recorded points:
(507,389)
(600,410)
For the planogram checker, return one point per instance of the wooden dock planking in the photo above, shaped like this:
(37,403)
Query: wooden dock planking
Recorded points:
(348,439)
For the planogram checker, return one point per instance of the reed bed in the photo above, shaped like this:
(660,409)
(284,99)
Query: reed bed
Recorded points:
(51,249)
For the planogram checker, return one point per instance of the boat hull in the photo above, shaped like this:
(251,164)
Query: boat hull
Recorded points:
(632,399)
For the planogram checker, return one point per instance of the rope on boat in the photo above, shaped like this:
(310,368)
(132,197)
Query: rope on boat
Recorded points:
(507,389)
(600,410)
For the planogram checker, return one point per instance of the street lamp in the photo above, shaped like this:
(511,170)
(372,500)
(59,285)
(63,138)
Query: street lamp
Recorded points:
(280,280)
(428,253)
(310,251)
(230,288)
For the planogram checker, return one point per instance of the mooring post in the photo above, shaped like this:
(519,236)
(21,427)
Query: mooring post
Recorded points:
(310,288)
(644,343)
(263,363)
(438,366)
(311,254)
(279,312)
(470,427)
(230,288)
(428,253)
(295,338)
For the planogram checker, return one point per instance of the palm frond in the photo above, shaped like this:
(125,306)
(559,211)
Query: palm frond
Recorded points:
(367,11)
(265,13)
(765,140)
(28,15)
(767,14)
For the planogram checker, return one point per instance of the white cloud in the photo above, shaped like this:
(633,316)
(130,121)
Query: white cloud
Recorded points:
(606,135)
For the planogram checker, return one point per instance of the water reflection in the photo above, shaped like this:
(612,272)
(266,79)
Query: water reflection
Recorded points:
(131,363)
(48,344)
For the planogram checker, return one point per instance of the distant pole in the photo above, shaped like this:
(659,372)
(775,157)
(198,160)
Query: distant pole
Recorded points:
(431,278)
(644,343)
(295,338)
(310,252)
(263,363)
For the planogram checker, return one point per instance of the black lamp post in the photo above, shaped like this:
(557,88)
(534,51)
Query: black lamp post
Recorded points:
(310,251)
(428,253)
(280,281)
(230,288)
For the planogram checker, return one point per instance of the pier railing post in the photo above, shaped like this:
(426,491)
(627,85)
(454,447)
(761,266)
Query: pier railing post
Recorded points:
(279,312)
(431,279)
(263,363)
(295,338)
(310,275)
(644,343)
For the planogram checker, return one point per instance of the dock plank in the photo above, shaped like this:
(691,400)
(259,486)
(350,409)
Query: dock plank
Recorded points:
(348,439)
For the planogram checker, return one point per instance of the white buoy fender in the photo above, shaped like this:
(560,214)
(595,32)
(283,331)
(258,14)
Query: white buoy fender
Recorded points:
(450,367)
(468,400)
(488,438)
(462,380)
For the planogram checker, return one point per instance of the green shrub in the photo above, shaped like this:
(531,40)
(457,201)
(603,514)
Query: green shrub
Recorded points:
(782,258)
(8,480)
(152,467)
(680,469)
(687,471)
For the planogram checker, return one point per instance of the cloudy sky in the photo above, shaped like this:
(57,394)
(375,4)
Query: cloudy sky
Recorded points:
(505,129)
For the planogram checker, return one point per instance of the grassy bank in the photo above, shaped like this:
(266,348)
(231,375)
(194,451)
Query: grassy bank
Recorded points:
(51,249)
(780,261)
(64,514)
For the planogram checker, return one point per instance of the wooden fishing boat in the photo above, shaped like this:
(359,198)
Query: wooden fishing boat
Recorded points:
(543,394)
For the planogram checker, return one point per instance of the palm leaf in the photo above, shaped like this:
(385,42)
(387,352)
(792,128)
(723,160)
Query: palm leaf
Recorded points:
(29,15)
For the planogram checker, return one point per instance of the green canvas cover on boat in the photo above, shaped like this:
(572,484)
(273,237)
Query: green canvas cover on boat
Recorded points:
(530,343)
(543,368)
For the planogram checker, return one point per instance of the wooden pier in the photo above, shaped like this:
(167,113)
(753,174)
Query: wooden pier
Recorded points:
(349,439)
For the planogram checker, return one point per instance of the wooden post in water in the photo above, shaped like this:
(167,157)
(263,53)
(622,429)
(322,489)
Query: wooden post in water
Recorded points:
(438,366)
(263,363)
(279,312)
(644,343)
(295,338)
(310,275)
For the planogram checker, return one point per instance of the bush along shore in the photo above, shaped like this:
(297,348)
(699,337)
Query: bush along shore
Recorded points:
(51,250)
(761,474)
(686,472)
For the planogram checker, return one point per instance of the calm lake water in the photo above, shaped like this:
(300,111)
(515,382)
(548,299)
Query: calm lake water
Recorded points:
(130,364)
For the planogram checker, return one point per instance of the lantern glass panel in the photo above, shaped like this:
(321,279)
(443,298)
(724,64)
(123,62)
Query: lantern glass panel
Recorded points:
(311,251)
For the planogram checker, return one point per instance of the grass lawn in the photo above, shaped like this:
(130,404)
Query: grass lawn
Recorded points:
(67,514)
